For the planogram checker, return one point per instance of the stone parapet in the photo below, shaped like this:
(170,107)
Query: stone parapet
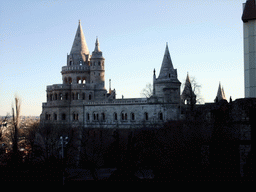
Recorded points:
(68,69)
(57,86)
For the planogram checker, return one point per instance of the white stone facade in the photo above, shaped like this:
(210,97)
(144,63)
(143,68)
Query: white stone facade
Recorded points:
(250,58)
(249,30)
(83,100)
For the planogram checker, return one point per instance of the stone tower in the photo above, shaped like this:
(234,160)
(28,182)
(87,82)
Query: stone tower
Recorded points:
(249,25)
(97,67)
(167,86)
(78,61)
(83,81)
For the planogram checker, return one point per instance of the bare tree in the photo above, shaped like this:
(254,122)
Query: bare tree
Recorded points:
(147,91)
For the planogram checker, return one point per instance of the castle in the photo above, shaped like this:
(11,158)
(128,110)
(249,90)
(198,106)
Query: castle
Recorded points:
(83,99)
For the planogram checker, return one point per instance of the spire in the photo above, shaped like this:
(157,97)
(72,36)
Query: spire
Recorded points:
(167,68)
(97,53)
(220,94)
(188,79)
(249,12)
(97,45)
(188,93)
(187,88)
(79,44)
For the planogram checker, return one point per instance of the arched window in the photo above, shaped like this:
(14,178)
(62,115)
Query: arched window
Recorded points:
(55,96)
(77,96)
(55,116)
(60,96)
(83,80)
(146,116)
(51,97)
(124,116)
(115,116)
(65,80)
(99,63)
(88,116)
(73,96)
(80,62)
(83,96)
(95,116)
(70,63)
(132,116)
(47,116)
(66,96)
(63,116)
(79,80)
(160,116)
(90,96)
(103,116)
(69,80)
(75,116)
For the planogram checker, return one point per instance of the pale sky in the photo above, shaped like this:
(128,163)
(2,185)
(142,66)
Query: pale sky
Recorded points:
(205,38)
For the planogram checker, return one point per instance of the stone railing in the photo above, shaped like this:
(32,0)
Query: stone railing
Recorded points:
(116,101)
(82,102)
(82,86)
(75,68)
(57,86)
(72,86)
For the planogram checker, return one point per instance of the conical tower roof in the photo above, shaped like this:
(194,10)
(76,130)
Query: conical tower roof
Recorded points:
(220,93)
(166,64)
(97,53)
(79,44)
(187,88)
(188,93)
(97,45)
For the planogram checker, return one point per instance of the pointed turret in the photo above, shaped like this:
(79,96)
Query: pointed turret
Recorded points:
(79,54)
(220,94)
(188,93)
(188,86)
(167,67)
(79,44)
(97,74)
(97,53)
(167,86)
(97,45)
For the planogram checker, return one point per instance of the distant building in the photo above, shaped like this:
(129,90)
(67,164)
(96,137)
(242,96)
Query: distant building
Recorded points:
(220,94)
(249,25)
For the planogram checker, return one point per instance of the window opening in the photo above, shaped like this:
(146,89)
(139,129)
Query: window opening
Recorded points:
(146,116)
